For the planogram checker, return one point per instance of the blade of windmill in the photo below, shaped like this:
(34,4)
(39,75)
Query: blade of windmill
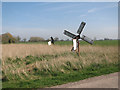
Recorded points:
(81,27)
(87,39)
(69,34)
(52,40)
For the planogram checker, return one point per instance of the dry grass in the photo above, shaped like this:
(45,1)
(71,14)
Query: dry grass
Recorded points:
(22,50)
(88,54)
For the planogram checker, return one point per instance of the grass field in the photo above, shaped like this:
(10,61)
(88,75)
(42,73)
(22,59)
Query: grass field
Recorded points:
(37,65)
(101,43)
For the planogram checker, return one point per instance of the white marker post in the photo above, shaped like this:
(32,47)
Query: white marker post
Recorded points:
(74,44)
(49,43)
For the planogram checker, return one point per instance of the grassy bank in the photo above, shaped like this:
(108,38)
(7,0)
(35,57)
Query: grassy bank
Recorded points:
(54,69)
(57,78)
(40,65)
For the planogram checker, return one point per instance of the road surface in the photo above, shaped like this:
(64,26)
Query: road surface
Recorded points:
(104,81)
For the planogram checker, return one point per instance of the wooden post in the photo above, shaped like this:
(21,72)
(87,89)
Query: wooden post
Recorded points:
(78,48)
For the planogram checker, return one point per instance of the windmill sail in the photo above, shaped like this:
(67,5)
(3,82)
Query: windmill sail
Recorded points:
(87,39)
(69,34)
(52,40)
(81,27)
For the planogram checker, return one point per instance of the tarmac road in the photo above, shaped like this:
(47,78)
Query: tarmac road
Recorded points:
(104,81)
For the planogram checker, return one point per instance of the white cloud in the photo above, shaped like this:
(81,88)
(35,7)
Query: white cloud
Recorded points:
(92,10)
(101,8)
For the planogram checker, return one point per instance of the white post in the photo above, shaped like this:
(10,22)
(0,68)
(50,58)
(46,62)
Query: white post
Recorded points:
(49,43)
(74,44)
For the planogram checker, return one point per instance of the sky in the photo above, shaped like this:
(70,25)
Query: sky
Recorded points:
(46,19)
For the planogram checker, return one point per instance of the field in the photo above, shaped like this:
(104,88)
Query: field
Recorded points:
(101,43)
(37,65)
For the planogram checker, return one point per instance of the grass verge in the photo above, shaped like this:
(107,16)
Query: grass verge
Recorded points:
(57,78)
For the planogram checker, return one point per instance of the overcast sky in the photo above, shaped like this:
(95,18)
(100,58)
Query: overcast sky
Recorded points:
(45,19)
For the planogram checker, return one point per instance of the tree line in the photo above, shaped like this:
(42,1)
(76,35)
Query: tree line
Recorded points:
(9,38)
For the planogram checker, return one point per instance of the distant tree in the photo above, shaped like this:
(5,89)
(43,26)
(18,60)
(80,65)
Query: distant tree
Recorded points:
(56,39)
(18,38)
(36,39)
(24,40)
(67,40)
(106,38)
(61,40)
(8,38)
